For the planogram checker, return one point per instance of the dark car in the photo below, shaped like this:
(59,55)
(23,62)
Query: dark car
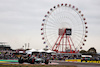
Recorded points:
(32,59)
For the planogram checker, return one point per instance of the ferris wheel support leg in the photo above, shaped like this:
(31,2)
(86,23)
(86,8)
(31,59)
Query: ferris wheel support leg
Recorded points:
(72,43)
(69,45)
(60,40)
(62,43)
(56,43)
(66,43)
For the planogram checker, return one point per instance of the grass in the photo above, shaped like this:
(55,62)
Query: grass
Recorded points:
(31,65)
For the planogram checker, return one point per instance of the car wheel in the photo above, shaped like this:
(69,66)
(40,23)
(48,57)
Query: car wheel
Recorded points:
(20,60)
(46,61)
(32,61)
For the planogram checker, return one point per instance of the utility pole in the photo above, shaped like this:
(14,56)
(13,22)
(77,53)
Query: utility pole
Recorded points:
(28,45)
(25,46)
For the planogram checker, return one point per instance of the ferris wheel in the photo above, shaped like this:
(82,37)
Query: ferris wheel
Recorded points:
(64,28)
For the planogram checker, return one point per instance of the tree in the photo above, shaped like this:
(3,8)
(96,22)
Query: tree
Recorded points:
(83,51)
(92,50)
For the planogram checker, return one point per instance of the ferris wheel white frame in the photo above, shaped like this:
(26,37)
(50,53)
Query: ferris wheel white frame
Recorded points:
(48,16)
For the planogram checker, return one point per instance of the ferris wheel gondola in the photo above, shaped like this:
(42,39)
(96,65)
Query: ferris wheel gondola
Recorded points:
(60,20)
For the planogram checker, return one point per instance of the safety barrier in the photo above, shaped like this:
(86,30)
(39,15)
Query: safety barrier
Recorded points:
(73,60)
(79,60)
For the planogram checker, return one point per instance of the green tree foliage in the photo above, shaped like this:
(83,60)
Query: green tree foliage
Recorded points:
(83,51)
(92,50)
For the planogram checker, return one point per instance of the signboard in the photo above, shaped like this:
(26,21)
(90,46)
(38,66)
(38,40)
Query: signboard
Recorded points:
(61,31)
(68,31)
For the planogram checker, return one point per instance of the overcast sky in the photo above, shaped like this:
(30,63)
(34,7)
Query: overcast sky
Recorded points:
(20,21)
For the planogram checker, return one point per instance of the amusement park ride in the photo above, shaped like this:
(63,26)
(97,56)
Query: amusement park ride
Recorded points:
(64,28)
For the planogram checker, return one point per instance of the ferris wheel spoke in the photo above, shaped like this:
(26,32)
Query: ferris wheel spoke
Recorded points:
(51,22)
(78,25)
(52,40)
(51,31)
(64,20)
(48,44)
(51,34)
(51,26)
(80,44)
(51,19)
(64,16)
(54,24)
(78,35)
(55,19)
(51,37)
(78,30)
(78,41)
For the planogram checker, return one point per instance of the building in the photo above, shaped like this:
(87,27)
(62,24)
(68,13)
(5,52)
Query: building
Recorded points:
(5,47)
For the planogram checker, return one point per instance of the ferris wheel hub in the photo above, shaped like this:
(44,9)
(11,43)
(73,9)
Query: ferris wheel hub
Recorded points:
(65,31)
(64,27)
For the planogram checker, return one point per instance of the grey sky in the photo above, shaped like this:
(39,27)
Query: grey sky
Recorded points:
(20,21)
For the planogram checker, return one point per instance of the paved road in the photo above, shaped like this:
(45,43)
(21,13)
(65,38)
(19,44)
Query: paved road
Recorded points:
(77,64)
(64,63)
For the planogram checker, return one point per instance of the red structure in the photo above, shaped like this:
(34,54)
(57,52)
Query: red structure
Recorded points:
(64,29)
(64,42)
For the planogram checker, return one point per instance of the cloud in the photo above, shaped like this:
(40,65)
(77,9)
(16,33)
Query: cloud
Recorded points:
(20,20)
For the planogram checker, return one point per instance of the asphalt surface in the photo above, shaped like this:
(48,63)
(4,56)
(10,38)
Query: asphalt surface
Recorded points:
(53,62)
(78,64)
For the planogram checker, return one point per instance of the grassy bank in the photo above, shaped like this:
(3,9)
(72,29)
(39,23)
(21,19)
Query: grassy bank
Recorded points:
(30,65)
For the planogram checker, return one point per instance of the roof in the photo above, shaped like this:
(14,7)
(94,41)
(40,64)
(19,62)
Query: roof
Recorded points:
(86,56)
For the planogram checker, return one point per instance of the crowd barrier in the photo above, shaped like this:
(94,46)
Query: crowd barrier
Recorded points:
(79,60)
